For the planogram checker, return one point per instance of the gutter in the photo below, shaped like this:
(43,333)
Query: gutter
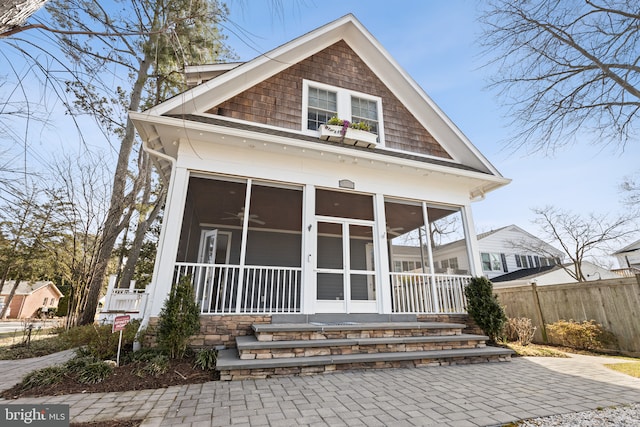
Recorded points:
(147,308)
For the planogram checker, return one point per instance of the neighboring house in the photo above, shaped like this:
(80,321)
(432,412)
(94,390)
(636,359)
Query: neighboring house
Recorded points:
(270,211)
(504,250)
(628,259)
(552,275)
(29,298)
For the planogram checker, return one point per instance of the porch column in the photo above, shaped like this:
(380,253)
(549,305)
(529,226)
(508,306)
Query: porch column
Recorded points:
(308,287)
(168,243)
(473,250)
(382,256)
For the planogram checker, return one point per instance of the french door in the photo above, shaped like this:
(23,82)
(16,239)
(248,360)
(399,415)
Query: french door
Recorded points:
(346,267)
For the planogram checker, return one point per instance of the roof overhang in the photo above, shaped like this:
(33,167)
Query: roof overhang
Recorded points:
(163,134)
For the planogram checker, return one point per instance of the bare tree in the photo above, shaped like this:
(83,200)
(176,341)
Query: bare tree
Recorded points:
(150,41)
(83,186)
(582,238)
(631,189)
(569,68)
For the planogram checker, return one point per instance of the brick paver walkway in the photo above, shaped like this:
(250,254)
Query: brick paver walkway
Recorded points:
(466,395)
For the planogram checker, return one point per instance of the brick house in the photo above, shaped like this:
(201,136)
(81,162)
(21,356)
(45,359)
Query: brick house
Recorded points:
(272,212)
(29,298)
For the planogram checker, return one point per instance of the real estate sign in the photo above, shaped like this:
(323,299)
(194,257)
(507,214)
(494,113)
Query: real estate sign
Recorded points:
(120,322)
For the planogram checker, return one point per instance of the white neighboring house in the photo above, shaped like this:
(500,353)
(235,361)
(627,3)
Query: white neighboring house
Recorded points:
(628,259)
(270,211)
(552,275)
(501,251)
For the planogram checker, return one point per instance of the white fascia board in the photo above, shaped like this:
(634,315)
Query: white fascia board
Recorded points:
(487,182)
(208,68)
(413,96)
(202,97)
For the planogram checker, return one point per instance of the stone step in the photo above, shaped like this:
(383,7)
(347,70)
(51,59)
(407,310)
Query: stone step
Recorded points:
(250,348)
(338,330)
(231,367)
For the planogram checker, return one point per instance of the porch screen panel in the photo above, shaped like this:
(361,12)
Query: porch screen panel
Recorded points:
(272,280)
(406,238)
(407,245)
(330,276)
(344,205)
(214,205)
(451,255)
(362,263)
(449,241)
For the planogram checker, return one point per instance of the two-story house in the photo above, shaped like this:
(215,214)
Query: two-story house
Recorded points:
(271,211)
(501,251)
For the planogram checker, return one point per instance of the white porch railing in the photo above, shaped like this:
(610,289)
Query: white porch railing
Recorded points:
(127,301)
(264,289)
(117,301)
(267,290)
(426,293)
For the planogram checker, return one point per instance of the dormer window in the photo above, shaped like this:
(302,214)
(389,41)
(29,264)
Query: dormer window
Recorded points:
(365,110)
(322,101)
(323,104)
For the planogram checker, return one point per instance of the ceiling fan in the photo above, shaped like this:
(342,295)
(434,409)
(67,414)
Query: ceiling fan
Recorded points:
(394,231)
(240,216)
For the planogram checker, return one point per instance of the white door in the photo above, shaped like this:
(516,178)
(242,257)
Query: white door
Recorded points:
(208,246)
(346,268)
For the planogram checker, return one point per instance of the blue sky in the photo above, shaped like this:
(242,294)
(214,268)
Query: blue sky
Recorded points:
(436,43)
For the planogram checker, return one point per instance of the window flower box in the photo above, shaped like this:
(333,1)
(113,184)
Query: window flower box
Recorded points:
(347,135)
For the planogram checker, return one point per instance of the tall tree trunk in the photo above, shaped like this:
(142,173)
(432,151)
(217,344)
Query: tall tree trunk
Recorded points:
(14,13)
(115,223)
(142,228)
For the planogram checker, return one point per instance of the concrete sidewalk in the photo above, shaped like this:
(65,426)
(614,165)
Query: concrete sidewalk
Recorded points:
(467,395)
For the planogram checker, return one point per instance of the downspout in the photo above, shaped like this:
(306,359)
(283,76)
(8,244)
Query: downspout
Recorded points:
(147,307)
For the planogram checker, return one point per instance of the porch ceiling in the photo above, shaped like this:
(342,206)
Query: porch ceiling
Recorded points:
(219,202)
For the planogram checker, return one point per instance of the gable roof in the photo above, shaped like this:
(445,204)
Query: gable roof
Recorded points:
(487,234)
(239,78)
(28,288)
(525,273)
(633,247)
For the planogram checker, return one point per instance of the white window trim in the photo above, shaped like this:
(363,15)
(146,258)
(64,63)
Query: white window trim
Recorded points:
(343,97)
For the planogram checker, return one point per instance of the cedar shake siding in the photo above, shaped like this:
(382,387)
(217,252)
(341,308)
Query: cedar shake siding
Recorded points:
(277,101)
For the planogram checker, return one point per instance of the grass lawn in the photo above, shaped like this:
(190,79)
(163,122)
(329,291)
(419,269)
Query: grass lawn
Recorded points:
(629,368)
(535,350)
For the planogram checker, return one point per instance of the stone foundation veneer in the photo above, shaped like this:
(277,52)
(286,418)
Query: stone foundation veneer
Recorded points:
(222,330)
(242,374)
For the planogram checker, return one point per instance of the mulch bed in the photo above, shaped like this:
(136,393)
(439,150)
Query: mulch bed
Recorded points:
(123,378)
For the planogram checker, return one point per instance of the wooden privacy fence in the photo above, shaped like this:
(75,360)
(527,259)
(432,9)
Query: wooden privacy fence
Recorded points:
(614,303)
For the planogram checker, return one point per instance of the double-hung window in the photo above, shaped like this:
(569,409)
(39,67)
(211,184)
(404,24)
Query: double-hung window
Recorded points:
(365,110)
(322,105)
(322,101)
(491,262)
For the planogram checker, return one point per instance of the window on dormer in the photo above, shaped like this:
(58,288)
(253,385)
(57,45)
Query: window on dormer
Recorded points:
(365,110)
(322,101)
(323,104)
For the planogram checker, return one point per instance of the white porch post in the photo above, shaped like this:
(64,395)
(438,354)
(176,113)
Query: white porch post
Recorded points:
(382,256)
(473,250)
(308,287)
(432,277)
(168,243)
(243,245)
